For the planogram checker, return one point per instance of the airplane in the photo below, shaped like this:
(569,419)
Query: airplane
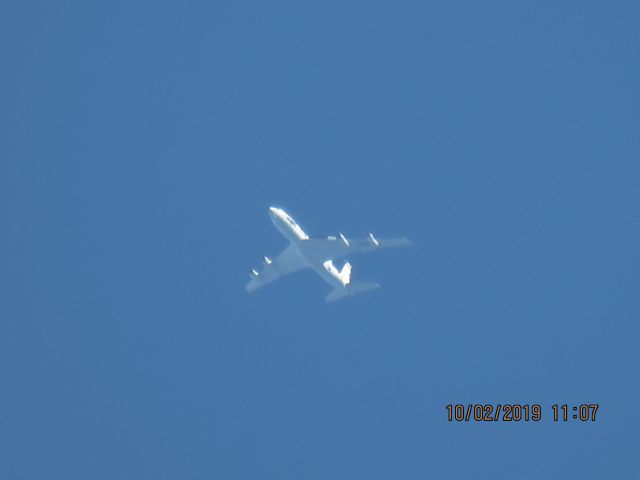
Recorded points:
(318,254)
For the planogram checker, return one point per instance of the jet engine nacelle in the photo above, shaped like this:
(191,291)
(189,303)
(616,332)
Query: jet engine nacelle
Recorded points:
(253,273)
(373,241)
(266,261)
(344,240)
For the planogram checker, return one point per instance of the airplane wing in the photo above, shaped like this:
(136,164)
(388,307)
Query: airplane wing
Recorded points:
(288,261)
(340,247)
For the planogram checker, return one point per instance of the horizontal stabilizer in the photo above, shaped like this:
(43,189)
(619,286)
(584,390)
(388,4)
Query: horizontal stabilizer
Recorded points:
(350,290)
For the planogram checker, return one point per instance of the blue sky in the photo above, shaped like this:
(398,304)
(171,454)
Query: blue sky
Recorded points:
(141,145)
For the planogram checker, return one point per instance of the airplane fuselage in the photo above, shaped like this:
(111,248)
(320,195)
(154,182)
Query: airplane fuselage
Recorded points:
(318,254)
(288,227)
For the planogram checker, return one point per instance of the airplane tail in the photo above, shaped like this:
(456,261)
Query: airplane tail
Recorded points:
(351,289)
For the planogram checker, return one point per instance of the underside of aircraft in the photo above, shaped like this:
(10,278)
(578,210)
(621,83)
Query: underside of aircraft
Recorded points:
(318,254)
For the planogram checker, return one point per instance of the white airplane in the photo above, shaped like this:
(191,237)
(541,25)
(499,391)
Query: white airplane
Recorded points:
(318,254)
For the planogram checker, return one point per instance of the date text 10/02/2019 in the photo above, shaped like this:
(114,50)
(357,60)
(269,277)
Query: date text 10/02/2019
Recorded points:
(515,412)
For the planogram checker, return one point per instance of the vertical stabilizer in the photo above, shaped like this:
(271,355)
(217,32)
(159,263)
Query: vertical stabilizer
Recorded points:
(344,275)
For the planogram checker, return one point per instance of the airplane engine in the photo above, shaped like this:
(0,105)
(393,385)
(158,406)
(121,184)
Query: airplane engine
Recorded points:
(253,273)
(373,241)
(267,261)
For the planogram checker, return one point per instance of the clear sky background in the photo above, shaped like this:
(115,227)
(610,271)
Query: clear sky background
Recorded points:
(141,144)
